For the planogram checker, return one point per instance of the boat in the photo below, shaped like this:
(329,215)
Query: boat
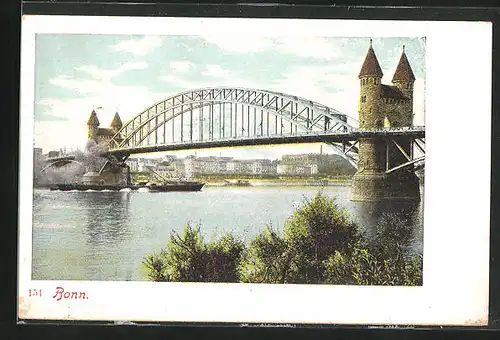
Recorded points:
(238,182)
(152,187)
(93,181)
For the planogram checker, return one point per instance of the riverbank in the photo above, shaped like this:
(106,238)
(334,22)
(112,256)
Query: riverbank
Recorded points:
(278,183)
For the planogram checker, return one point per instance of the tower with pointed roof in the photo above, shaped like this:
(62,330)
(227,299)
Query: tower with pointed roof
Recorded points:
(370,78)
(382,105)
(404,80)
(92,126)
(116,123)
(102,136)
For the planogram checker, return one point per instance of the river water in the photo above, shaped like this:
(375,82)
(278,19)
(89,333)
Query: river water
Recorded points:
(105,235)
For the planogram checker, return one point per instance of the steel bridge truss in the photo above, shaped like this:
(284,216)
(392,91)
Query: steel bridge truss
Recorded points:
(414,160)
(227,116)
(220,113)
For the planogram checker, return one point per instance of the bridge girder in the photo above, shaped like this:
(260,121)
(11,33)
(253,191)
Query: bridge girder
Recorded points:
(306,114)
(298,119)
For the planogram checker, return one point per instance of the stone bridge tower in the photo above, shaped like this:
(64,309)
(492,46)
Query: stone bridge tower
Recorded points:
(381,106)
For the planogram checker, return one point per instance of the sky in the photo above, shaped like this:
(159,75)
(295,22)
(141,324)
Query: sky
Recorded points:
(76,73)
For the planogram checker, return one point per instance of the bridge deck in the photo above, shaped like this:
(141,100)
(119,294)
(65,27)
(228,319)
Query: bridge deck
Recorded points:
(337,137)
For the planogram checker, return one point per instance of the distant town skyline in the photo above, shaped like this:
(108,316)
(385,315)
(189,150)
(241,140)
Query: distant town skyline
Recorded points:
(114,73)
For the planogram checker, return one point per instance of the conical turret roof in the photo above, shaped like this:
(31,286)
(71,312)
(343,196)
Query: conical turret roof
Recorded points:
(371,67)
(403,71)
(116,122)
(93,119)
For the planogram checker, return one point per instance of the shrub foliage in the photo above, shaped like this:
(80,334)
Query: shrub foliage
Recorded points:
(188,258)
(319,244)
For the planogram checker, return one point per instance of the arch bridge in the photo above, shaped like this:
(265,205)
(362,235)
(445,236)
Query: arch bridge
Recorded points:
(228,117)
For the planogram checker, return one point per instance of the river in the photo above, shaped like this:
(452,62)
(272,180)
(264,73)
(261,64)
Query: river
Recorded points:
(105,235)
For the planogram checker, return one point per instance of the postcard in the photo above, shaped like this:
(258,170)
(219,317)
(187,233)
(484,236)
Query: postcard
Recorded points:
(254,171)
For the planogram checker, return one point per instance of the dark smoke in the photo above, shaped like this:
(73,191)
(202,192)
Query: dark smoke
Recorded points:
(85,161)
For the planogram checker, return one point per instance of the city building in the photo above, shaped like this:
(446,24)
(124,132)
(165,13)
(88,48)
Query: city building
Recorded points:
(133,164)
(296,169)
(264,167)
(37,163)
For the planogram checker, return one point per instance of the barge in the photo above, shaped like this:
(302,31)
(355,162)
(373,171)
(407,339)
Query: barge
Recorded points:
(237,183)
(165,187)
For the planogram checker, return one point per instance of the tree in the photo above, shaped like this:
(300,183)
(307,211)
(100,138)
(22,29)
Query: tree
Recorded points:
(267,259)
(188,258)
(315,231)
(362,268)
(319,244)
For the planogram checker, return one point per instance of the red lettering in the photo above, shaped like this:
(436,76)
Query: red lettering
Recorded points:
(59,293)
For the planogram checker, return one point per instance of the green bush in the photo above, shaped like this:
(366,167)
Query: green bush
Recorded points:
(362,268)
(267,259)
(188,258)
(315,231)
(319,244)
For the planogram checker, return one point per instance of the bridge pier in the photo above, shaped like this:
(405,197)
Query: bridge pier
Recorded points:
(372,183)
(382,105)
(369,186)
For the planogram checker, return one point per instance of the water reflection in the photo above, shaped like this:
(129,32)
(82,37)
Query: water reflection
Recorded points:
(392,228)
(107,215)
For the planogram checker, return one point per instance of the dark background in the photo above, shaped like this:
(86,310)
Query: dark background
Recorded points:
(10,22)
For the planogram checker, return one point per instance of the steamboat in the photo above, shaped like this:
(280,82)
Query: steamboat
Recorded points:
(94,181)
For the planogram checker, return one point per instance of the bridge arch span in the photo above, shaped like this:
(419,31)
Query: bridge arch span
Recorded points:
(61,163)
(218,113)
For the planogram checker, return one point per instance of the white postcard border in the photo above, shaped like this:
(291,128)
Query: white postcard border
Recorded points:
(456,230)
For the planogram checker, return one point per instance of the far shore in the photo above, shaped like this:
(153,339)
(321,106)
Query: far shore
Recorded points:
(278,183)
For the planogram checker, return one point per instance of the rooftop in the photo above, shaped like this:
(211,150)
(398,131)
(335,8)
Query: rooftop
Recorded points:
(371,67)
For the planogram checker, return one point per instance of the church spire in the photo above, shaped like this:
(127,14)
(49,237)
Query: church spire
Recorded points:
(371,67)
(403,72)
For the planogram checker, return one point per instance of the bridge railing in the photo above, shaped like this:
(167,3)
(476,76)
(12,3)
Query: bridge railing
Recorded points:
(392,128)
(343,132)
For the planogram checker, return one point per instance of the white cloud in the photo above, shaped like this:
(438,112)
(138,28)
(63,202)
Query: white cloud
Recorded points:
(315,47)
(139,47)
(216,71)
(107,74)
(212,76)
(127,100)
(323,84)
(181,66)
(82,86)
(419,102)
(240,43)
